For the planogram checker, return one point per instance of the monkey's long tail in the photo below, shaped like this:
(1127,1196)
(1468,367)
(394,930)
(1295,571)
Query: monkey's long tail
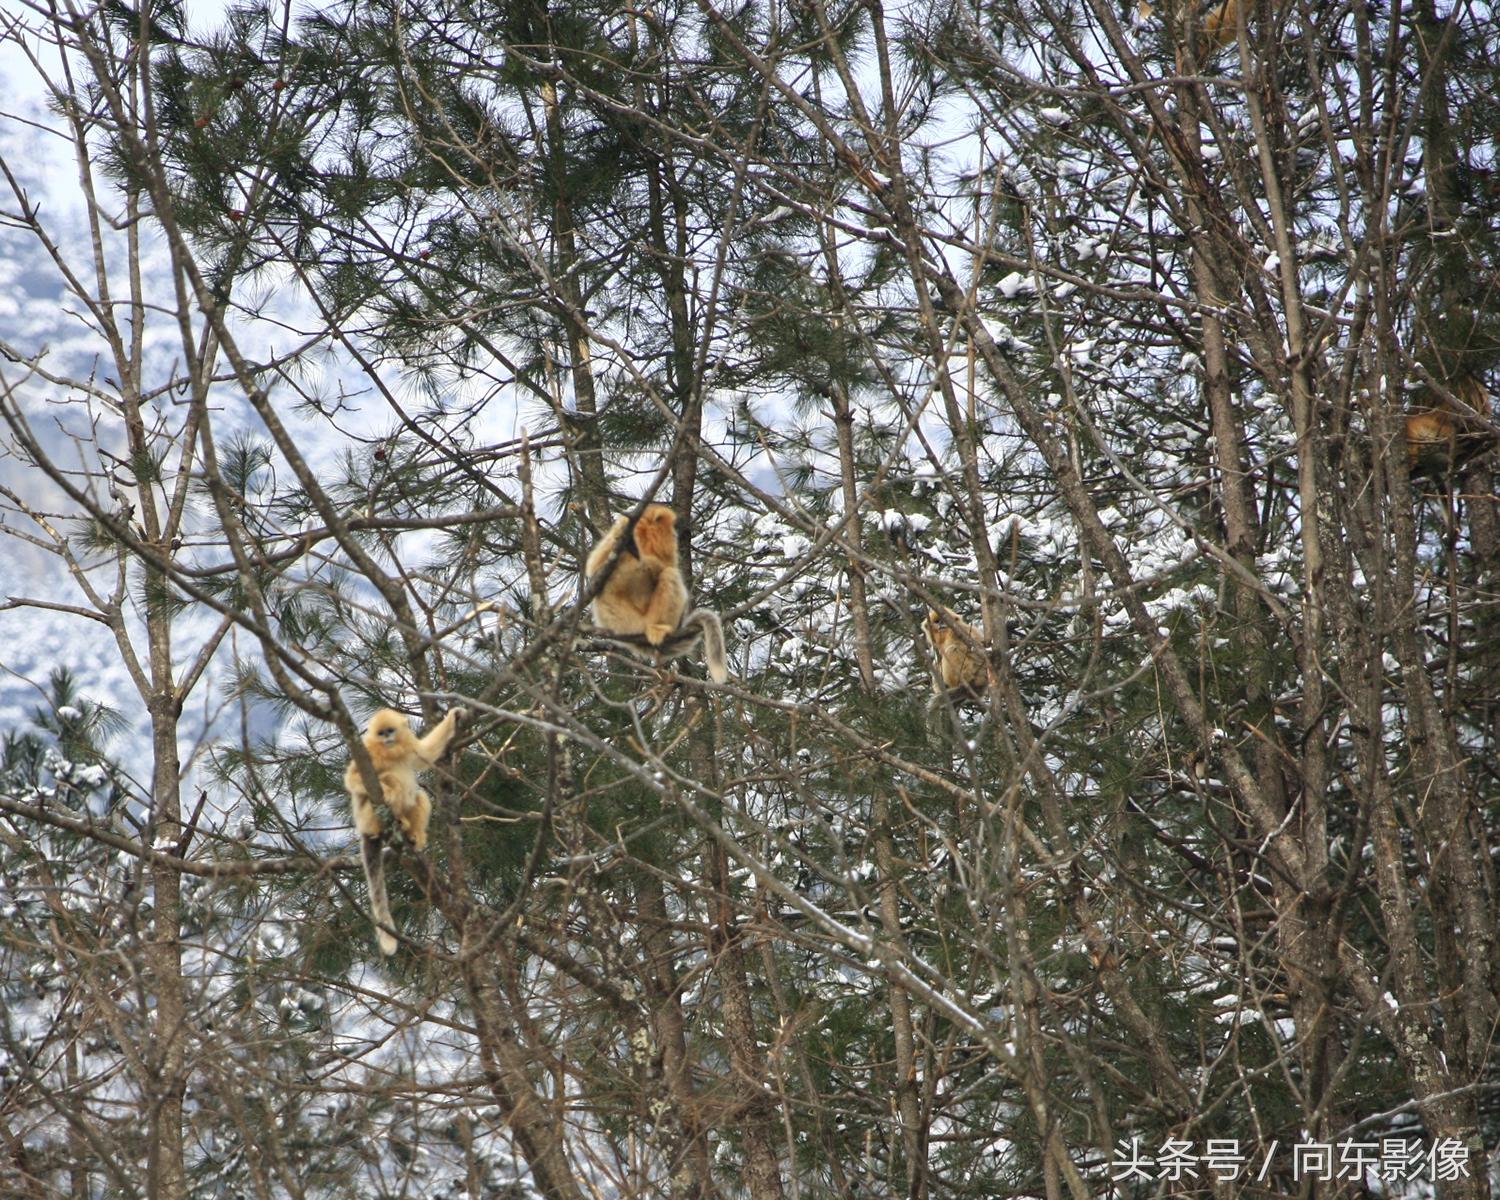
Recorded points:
(713,645)
(380,905)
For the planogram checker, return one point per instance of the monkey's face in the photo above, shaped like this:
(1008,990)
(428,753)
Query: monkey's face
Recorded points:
(386,727)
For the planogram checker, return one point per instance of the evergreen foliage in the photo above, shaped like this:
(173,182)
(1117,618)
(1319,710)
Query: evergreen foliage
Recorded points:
(1103,337)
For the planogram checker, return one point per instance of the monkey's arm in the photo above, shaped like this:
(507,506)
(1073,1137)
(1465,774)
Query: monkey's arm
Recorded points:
(431,745)
(601,553)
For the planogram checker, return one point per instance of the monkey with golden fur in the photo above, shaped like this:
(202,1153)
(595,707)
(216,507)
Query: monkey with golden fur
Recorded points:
(1443,433)
(1220,23)
(960,667)
(644,595)
(397,755)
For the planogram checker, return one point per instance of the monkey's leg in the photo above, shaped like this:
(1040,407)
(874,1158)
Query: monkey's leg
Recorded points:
(415,817)
(366,820)
(401,796)
(664,612)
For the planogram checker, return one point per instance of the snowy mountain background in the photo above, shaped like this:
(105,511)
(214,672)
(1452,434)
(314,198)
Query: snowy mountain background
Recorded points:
(40,316)
(36,314)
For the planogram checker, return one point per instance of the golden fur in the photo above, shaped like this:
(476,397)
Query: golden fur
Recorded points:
(397,755)
(1220,24)
(959,667)
(644,595)
(1440,435)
